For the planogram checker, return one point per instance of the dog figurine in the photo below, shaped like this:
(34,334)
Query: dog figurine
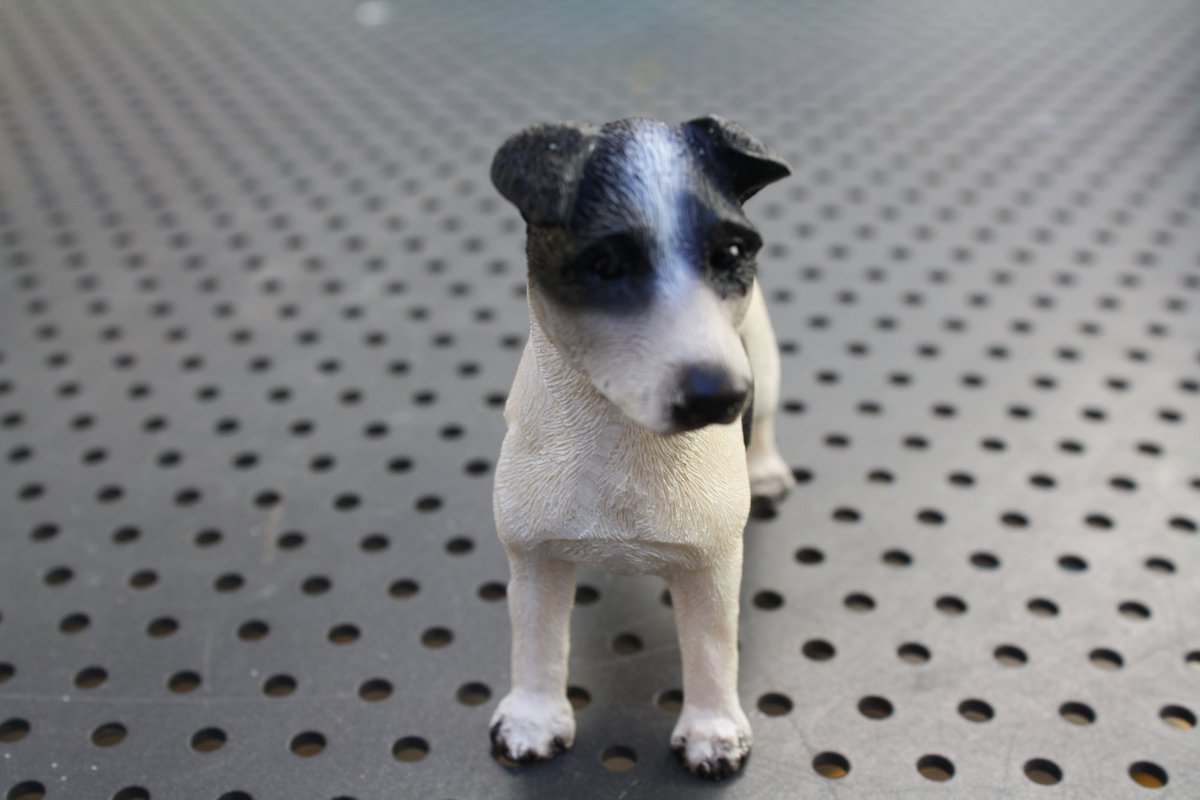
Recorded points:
(649,338)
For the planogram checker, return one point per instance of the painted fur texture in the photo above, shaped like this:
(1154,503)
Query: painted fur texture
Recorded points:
(649,339)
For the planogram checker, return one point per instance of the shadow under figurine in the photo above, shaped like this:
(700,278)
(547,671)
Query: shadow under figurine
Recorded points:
(649,338)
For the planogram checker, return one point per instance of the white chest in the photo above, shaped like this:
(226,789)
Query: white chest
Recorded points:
(577,479)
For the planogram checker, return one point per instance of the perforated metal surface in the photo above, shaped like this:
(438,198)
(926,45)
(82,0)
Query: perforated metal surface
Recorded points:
(260,307)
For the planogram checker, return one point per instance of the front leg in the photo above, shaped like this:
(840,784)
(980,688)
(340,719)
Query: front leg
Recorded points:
(534,722)
(713,735)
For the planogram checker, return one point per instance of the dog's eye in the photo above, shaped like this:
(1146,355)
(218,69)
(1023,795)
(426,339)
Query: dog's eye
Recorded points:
(730,253)
(605,263)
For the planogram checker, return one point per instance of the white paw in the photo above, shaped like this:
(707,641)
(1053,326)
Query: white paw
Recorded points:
(528,727)
(714,745)
(770,477)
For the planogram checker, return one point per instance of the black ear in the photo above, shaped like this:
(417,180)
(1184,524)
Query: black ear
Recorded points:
(744,162)
(538,169)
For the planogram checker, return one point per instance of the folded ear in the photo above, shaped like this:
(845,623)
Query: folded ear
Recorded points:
(538,169)
(745,163)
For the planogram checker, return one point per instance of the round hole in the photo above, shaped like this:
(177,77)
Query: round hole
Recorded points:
(1077,713)
(1107,659)
(1010,655)
(578,697)
(809,556)
(74,623)
(473,694)
(405,587)
(1148,774)
(375,690)
(58,576)
(1041,607)
(951,605)
(429,503)
(976,710)
(229,583)
(774,704)
(279,686)
(1160,566)
(586,595)
(346,502)
(1043,771)
(671,700)
(768,600)
(1014,519)
(875,707)
(1183,524)
(963,479)
(1072,563)
(914,653)
(110,734)
(985,561)
(1042,480)
(126,534)
(859,602)
(931,516)
(437,637)
(13,730)
(618,758)
(410,748)
(184,682)
(253,630)
(1178,717)
(626,644)
(207,538)
(493,591)
(143,579)
(818,650)
(162,627)
(316,585)
(935,768)
(831,765)
(291,540)
(374,543)
(344,634)
(91,677)
(308,744)
(897,558)
(1134,611)
(846,515)
(26,790)
(132,793)
(460,545)
(208,740)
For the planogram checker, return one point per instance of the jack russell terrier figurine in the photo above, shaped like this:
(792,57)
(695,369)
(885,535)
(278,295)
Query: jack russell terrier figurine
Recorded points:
(648,339)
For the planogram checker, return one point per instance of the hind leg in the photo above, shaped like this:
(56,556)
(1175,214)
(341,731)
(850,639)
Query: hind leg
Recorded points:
(770,476)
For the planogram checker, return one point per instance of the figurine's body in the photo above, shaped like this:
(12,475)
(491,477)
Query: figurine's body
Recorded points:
(648,336)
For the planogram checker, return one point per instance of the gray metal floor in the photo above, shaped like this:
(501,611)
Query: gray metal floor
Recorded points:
(259,307)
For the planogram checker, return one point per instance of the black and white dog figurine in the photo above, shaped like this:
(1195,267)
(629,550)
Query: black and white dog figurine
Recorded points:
(649,338)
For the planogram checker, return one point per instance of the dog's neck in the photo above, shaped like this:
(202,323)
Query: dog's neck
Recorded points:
(564,382)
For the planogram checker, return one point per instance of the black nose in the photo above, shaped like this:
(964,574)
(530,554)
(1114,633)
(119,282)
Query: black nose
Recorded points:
(707,396)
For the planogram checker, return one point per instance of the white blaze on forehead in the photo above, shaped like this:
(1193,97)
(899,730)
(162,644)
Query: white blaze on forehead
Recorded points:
(655,178)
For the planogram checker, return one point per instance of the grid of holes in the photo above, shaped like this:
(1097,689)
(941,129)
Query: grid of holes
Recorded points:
(254,273)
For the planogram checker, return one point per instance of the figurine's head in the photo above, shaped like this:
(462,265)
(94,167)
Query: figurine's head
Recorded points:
(641,261)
